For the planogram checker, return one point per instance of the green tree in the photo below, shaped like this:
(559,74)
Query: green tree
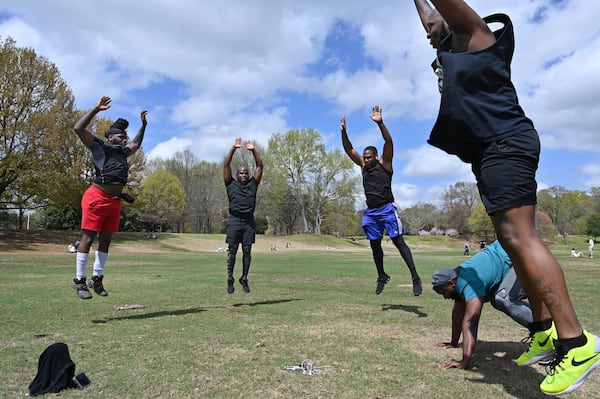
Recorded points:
(162,200)
(461,193)
(36,106)
(480,222)
(565,207)
(421,216)
(310,177)
(593,225)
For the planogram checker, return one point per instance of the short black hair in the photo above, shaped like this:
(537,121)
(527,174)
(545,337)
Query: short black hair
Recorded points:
(372,148)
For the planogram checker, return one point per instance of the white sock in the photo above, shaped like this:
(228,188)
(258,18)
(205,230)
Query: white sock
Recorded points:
(82,258)
(99,263)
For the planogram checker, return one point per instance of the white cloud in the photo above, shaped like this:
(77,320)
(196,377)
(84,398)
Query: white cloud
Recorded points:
(236,62)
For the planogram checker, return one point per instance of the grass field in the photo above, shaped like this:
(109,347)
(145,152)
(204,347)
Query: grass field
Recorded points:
(193,340)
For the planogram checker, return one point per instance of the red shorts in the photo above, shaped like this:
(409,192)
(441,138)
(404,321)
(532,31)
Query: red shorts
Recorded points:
(100,211)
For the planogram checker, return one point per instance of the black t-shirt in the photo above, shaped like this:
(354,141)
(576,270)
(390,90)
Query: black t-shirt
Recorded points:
(242,197)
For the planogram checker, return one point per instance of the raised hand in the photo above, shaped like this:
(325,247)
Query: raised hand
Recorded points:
(104,103)
(143,116)
(376,115)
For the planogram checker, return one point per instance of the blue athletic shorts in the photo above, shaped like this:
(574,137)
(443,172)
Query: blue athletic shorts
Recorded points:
(375,220)
(505,171)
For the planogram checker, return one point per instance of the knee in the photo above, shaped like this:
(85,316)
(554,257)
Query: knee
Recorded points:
(375,243)
(501,301)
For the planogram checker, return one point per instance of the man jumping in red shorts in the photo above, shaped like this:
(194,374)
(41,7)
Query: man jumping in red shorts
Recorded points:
(101,203)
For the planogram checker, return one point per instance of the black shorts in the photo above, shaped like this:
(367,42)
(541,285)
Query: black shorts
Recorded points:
(505,171)
(240,230)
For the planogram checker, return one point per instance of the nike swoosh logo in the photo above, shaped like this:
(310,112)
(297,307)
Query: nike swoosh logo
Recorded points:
(544,342)
(579,363)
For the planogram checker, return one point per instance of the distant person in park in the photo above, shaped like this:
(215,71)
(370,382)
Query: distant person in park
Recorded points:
(576,254)
(101,203)
(381,212)
(591,247)
(482,244)
(467,251)
(241,226)
(486,277)
(481,121)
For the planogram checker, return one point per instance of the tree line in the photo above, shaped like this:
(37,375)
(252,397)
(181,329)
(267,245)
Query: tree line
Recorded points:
(44,171)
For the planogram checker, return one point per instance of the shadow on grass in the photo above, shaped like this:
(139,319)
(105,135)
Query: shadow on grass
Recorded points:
(273,302)
(495,362)
(150,315)
(406,308)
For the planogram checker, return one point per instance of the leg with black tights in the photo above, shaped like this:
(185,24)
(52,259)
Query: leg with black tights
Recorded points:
(408,259)
(378,257)
(232,252)
(406,255)
(246,258)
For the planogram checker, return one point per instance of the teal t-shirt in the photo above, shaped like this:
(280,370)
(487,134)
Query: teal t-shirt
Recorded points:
(481,275)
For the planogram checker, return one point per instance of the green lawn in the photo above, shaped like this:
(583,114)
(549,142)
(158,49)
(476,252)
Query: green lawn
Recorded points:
(193,340)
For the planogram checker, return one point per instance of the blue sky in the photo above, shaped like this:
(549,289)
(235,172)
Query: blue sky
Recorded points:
(211,71)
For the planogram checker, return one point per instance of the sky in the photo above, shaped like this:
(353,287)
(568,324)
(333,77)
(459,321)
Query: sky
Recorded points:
(210,71)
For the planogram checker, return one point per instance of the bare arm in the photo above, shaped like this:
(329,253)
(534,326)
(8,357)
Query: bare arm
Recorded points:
(471,33)
(388,144)
(227,177)
(136,143)
(258,172)
(348,148)
(87,137)
(424,9)
(470,325)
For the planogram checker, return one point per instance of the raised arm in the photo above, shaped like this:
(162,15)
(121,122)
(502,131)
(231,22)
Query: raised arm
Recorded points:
(423,9)
(348,148)
(258,172)
(388,144)
(227,177)
(136,143)
(471,33)
(87,137)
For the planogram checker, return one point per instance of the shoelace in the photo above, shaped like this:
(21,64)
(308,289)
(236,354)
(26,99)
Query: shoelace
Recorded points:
(559,356)
(528,340)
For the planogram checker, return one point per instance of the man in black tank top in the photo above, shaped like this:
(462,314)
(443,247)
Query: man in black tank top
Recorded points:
(241,226)
(381,212)
(480,120)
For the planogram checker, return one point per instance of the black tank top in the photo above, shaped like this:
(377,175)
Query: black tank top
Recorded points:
(377,182)
(479,103)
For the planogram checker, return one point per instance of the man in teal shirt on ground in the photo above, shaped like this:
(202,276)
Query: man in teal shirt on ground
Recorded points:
(486,277)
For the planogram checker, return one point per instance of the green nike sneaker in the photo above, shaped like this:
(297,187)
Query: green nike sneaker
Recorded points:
(541,345)
(570,368)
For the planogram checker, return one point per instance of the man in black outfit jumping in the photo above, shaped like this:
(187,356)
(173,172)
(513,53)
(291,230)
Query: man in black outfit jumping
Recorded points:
(241,226)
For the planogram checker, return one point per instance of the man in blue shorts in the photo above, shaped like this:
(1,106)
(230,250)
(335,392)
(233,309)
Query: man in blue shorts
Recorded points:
(486,277)
(381,212)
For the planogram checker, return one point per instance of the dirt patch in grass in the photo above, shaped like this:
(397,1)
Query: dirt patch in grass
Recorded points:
(53,241)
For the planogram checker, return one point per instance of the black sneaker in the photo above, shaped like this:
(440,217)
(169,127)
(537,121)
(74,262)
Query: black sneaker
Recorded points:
(417,287)
(96,284)
(81,288)
(230,287)
(381,282)
(244,283)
